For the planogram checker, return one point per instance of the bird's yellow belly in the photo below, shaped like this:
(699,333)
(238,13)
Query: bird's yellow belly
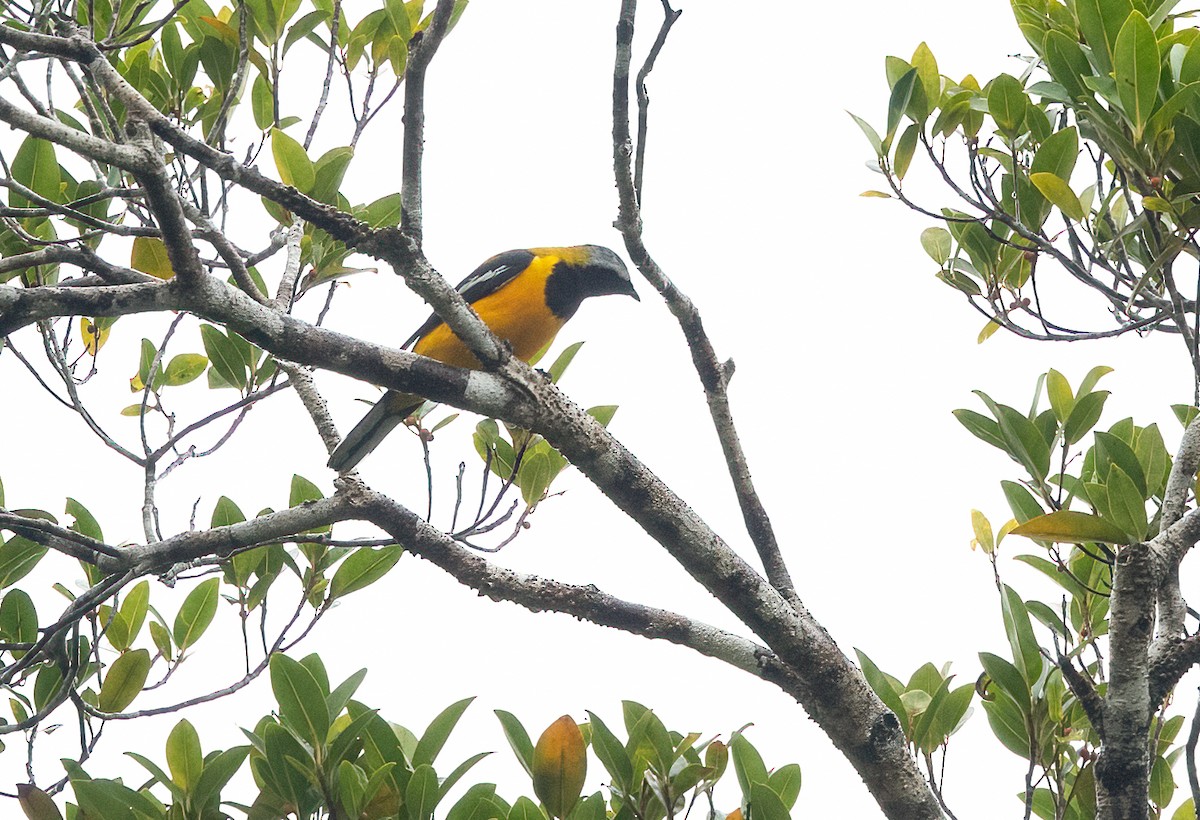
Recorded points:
(517,313)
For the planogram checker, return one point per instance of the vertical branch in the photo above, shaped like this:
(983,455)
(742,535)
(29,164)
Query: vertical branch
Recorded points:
(334,27)
(1193,739)
(714,375)
(421,51)
(1123,768)
(643,97)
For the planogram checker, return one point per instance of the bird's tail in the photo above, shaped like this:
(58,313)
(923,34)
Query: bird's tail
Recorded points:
(388,412)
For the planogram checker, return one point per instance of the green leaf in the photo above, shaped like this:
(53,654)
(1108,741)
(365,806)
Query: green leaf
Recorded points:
(162,639)
(871,134)
(124,680)
(563,362)
(747,763)
(525,809)
(1112,450)
(603,413)
(420,797)
(766,805)
(302,490)
(185,760)
(226,513)
(362,568)
(1127,504)
(18,617)
(534,477)
(1162,784)
(1084,415)
(1136,70)
(219,769)
(1058,389)
(1068,526)
(262,102)
(1094,375)
(479,802)
(384,212)
(901,95)
(292,162)
(18,557)
(937,243)
(785,782)
(36,167)
(126,624)
(1007,103)
(1020,635)
(905,147)
(1066,62)
(438,731)
(1007,679)
(516,735)
(1100,21)
(612,753)
(981,427)
(1023,441)
(224,357)
(184,368)
(1058,192)
(85,523)
(1152,455)
(330,170)
(301,703)
(882,686)
(196,614)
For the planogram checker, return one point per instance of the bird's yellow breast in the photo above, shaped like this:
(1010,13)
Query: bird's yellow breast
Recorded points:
(517,313)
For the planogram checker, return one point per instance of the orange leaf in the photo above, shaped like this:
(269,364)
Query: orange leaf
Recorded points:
(560,766)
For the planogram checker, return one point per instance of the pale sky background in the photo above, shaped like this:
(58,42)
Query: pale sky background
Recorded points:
(850,357)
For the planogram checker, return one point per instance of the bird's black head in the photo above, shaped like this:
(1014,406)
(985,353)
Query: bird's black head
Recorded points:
(582,271)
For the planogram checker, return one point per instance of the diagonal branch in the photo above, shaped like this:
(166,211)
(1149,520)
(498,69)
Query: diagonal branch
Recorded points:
(587,602)
(714,376)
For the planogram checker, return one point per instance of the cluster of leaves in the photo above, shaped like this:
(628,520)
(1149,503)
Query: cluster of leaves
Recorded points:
(525,459)
(322,753)
(1121,477)
(929,710)
(128,623)
(1121,82)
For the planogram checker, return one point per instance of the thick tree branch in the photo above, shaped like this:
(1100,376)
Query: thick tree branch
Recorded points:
(1123,767)
(1171,663)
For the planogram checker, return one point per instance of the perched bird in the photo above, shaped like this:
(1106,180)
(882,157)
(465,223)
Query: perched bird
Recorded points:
(524,296)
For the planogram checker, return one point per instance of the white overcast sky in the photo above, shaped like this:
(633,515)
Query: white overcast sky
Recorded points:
(850,357)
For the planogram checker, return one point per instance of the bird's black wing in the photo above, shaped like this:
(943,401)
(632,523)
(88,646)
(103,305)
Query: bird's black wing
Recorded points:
(486,279)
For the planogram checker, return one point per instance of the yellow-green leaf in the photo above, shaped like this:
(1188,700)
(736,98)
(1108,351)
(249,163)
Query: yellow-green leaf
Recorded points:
(986,333)
(292,162)
(1056,189)
(983,532)
(1068,526)
(124,680)
(149,255)
(94,333)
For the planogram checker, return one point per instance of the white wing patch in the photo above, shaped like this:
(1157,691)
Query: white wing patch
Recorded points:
(490,273)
